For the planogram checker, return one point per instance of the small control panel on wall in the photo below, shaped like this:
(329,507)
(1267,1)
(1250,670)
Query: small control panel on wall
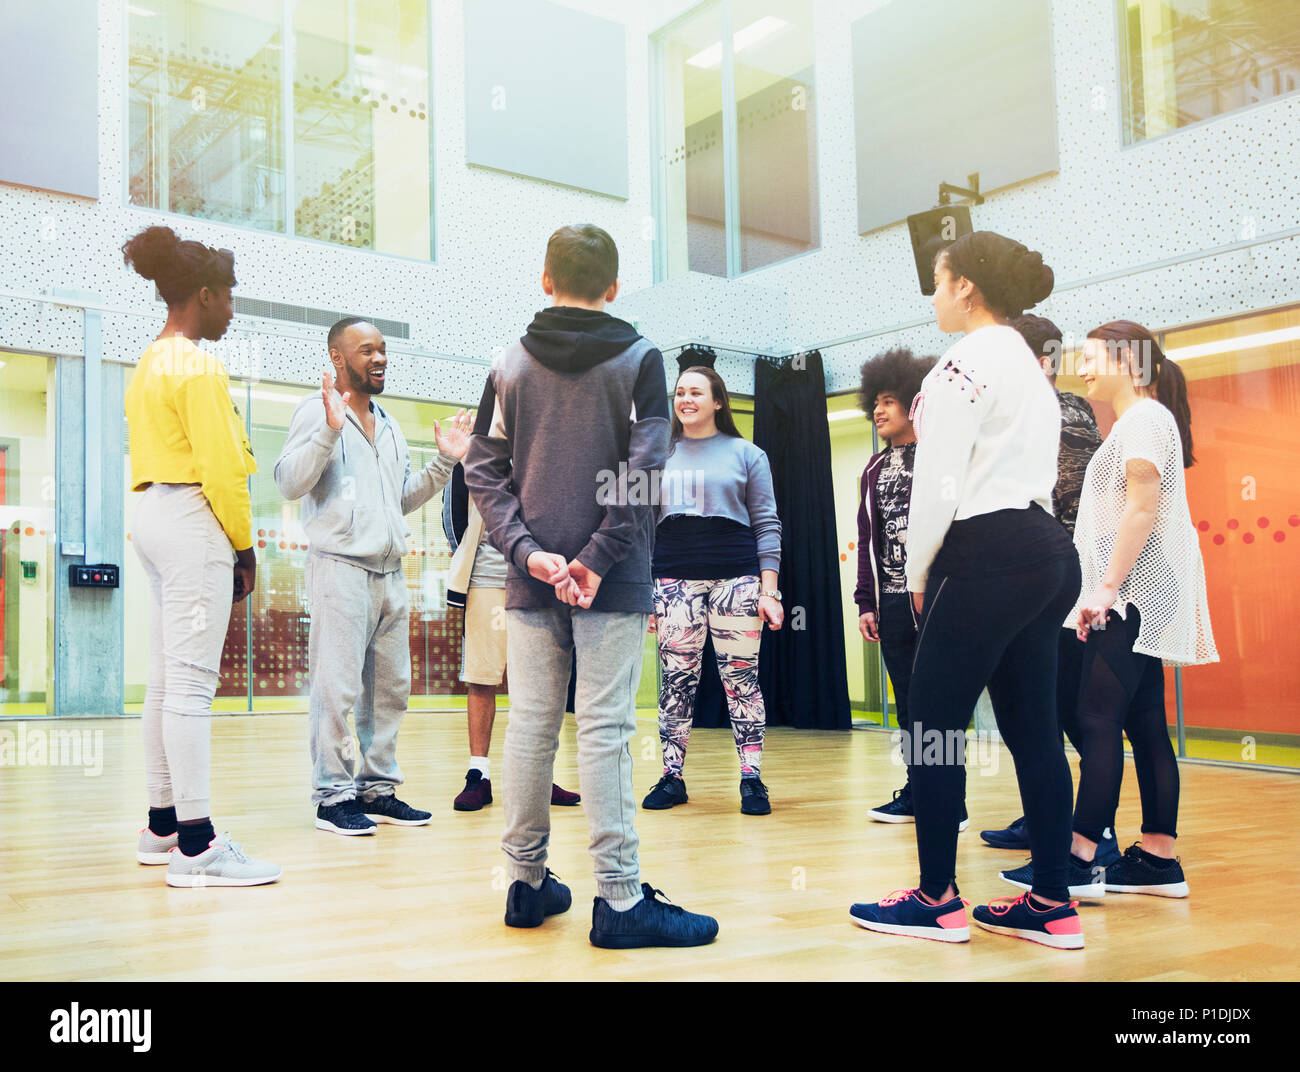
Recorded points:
(102,576)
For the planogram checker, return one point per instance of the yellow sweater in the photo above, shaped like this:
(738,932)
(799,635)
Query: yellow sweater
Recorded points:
(185,430)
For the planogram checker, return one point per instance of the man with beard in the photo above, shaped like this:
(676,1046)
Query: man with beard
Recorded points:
(349,460)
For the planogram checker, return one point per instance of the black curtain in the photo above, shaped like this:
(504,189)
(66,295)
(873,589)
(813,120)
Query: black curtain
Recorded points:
(801,669)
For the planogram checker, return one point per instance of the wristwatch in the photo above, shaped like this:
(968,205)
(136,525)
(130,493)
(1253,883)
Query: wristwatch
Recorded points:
(775,593)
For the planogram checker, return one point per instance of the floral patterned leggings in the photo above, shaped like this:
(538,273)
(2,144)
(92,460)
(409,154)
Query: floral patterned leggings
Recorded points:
(685,612)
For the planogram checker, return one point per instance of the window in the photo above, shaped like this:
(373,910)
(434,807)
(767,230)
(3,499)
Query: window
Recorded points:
(1188,60)
(264,661)
(27,538)
(319,129)
(736,171)
(1243,386)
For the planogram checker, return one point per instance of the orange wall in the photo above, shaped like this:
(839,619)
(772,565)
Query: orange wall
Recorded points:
(1246,430)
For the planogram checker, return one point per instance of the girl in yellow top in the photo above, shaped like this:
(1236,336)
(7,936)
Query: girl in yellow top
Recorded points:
(193,534)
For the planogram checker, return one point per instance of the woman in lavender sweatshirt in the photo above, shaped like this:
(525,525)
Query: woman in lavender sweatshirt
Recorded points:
(718,533)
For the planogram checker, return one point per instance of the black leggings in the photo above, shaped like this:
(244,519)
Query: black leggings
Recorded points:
(1122,692)
(997,594)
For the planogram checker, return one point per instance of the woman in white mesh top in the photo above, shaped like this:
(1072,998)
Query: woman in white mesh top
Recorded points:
(1143,600)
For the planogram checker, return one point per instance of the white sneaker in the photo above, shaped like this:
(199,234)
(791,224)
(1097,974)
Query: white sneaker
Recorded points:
(223,864)
(154,849)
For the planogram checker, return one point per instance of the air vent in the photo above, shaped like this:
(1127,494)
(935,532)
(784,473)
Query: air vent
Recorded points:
(302,314)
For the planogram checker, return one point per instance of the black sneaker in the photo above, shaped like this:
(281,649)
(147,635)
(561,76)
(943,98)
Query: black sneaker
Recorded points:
(898,810)
(753,797)
(649,922)
(1083,879)
(527,907)
(343,818)
(668,792)
(1015,836)
(1136,873)
(388,809)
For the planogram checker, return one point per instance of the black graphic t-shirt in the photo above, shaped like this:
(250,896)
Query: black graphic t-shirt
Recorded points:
(1079,442)
(893,500)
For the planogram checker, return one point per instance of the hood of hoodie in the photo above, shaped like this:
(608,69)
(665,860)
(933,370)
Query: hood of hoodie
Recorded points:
(573,340)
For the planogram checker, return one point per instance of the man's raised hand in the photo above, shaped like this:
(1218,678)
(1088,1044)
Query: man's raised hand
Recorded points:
(336,405)
(453,439)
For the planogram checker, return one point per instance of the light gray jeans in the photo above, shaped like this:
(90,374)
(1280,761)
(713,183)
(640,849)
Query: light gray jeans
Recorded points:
(539,654)
(189,563)
(359,660)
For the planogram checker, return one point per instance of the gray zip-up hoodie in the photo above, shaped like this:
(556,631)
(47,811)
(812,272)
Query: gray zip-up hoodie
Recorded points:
(356,491)
(573,420)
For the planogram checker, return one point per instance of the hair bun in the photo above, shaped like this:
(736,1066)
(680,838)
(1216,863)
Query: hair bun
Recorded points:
(1032,280)
(152,252)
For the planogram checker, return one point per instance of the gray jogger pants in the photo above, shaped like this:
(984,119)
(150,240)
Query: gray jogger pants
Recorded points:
(359,660)
(540,646)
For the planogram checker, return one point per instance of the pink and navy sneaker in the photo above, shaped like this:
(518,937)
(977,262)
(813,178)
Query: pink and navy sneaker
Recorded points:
(1016,916)
(905,912)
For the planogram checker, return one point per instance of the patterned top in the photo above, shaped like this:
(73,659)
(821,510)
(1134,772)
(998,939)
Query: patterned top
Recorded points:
(1079,442)
(1167,583)
(893,499)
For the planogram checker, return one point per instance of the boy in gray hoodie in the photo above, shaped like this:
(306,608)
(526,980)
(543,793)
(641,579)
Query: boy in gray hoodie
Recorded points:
(573,421)
(349,459)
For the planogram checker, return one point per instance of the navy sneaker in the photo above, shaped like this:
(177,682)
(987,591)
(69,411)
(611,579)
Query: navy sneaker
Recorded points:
(388,809)
(527,907)
(1137,873)
(668,792)
(753,797)
(1017,918)
(1015,836)
(904,912)
(343,818)
(650,922)
(898,810)
(1083,879)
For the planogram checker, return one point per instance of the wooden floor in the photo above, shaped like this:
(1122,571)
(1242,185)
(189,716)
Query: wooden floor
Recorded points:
(427,903)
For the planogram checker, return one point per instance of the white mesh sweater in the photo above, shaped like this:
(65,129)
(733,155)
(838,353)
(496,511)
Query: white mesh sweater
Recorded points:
(1167,583)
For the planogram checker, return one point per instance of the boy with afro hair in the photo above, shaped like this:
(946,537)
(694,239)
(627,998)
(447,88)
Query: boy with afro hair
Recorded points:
(889,384)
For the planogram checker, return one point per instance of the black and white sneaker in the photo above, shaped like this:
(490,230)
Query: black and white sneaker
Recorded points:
(388,809)
(343,818)
(753,797)
(898,810)
(1083,879)
(1139,872)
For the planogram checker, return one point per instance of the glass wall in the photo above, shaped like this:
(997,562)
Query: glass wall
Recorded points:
(1244,492)
(737,174)
(28,547)
(235,117)
(1188,60)
(264,662)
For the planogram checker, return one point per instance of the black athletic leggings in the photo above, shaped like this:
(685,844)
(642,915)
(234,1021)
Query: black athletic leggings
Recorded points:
(1122,692)
(997,594)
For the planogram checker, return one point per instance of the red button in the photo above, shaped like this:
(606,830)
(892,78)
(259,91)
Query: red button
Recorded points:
(97,577)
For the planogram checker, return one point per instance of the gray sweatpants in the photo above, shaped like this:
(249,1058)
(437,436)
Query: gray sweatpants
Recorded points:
(359,660)
(189,564)
(540,646)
